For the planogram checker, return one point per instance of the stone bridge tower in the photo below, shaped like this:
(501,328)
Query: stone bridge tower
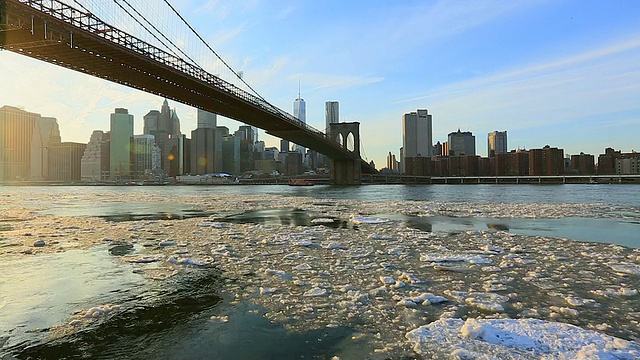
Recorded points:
(346,171)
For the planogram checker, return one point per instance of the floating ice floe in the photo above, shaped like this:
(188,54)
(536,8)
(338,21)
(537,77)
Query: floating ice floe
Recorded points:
(186,261)
(213,224)
(277,273)
(98,311)
(616,292)
(516,339)
(335,246)
(422,299)
(322,221)
(485,301)
(220,319)
(632,269)
(316,291)
(441,258)
(367,220)
(267,291)
(377,236)
(143,260)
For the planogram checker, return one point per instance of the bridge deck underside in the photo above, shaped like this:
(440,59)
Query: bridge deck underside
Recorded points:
(94,55)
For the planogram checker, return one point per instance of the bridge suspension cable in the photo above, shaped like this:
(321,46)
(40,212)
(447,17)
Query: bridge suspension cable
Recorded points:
(213,51)
(156,30)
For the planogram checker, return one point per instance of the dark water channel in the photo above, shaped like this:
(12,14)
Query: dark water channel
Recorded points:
(168,319)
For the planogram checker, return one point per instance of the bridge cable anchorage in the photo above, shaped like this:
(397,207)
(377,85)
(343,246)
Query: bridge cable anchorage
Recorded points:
(156,29)
(215,53)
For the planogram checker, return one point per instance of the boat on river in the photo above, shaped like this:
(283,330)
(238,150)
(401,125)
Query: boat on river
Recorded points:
(301,182)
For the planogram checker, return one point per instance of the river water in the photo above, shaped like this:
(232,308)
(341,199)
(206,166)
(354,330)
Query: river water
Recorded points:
(253,272)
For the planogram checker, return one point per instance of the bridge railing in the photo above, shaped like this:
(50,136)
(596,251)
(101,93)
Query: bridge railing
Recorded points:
(95,26)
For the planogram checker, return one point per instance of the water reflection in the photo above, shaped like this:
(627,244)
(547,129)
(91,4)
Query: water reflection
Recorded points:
(286,217)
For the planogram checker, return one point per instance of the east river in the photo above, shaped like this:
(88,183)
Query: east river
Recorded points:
(279,272)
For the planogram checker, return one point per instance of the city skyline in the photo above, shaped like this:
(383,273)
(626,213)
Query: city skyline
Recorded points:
(557,73)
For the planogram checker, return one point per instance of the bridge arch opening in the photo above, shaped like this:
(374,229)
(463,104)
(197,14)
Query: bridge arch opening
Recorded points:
(351,144)
(340,139)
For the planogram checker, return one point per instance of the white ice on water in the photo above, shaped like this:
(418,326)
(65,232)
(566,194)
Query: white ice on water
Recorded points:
(516,339)
(387,281)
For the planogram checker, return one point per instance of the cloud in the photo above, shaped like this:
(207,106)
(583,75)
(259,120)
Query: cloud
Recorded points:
(322,81)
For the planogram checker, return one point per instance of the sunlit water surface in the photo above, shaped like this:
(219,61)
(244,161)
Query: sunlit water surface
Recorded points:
(171,318)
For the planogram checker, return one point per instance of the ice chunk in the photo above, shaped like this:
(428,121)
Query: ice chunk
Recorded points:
(143,260)
(267,291)
(322,221)
(215,225)
(387,280)
(316,291)
(367,220)
(277,273)
(186,261)
(632,269)
(439,258)
(517,339)
(335,246)
(304,266)
(98,311)
(220,319)
(167,243)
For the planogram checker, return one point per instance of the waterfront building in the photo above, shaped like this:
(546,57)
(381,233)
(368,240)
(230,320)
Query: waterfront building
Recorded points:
(392,163)
(65,161)
(461,143)
(331,114)
(231,154)
(496,143)
(629,165)
(418,166)
(284,146)
(463,165)
(95,160)
(203,145)
(121,130)
(164,125)
(619,163)
(547,161)
(293,164)
(417,134)
(146,157)
(24,141)
(437,149)
(583,164)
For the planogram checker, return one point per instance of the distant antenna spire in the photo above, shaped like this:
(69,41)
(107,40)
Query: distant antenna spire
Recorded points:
(299,88)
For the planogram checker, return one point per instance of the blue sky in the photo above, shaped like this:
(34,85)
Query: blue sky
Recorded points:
(562,73)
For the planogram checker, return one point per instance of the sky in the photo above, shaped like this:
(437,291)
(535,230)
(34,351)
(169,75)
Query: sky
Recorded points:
(562,73)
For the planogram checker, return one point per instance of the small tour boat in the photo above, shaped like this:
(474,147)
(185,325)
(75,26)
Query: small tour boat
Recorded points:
(300,182)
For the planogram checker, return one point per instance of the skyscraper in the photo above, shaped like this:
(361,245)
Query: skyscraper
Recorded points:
(146,156)
(300,113)
(461,143)
(164,125)
(95,160)
(203,144)
(332,114)
(120,148)
(65,161)
(24,140)
(416,135)
(497,143)
(207,120)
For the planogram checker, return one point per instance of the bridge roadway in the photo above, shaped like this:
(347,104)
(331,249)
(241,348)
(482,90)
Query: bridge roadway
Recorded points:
(55,32)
